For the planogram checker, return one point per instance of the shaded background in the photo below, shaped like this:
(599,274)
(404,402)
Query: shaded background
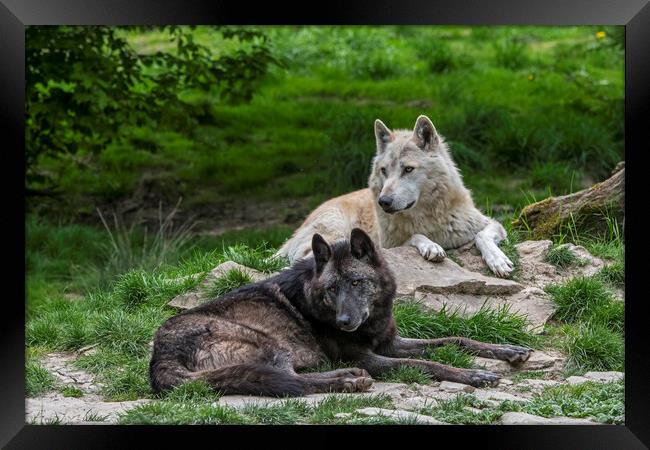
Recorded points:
(254,127)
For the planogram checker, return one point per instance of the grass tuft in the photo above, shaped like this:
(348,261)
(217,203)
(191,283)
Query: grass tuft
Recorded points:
(498,326)
(231,280)
(37,379)
(193,391)
(587,299)
(592,346)
(561,257)
(452,355)
(260,257)
(406,374)
(72,391)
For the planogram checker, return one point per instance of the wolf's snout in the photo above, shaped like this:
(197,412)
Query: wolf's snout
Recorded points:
(343,321)
(385,201)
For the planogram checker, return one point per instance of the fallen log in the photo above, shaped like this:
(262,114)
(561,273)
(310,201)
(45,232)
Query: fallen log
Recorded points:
(590,211)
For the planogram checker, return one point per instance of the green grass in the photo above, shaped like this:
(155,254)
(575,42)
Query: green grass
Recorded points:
(193,391)
(452,355)
(406,374)
(561,257)
(456,410)
(198,411)
(592,346)
(613,274)
(488,325)
(604,402)
(231,280)
(260,257)
(37,379)
(584,299)
(72,391)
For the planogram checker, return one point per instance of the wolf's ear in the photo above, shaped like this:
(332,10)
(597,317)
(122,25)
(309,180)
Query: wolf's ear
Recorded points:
(322,252)
(425,134)
(362,247)
(383,135)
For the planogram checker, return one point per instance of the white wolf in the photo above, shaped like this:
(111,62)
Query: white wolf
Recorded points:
(415,197)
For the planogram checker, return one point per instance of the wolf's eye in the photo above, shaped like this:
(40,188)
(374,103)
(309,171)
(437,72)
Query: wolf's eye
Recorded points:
(408,169)
(331,289)
(383,171)
(355,283)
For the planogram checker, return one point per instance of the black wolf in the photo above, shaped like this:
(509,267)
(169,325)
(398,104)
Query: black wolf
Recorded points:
(335,305)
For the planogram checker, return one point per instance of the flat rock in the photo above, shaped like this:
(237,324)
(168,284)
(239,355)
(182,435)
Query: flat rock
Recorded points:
(520,418)
(450,386)
(399,415)
(604,377)
(600,377)
(547,361)
(60,365)
(577,380)
(55,406)
(195,297)
(499,396)
(413,272)
(539,384)
(535,271)
(532,302)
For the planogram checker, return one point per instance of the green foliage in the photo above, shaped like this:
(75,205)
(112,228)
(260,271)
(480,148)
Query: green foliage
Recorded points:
(511,54)
(84,83)
(604,402)
(308,130)
(456,410)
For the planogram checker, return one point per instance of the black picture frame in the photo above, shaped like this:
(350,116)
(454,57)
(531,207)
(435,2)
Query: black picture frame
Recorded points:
(16,14)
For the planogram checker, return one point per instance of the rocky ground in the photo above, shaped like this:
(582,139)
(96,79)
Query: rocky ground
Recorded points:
(460,281)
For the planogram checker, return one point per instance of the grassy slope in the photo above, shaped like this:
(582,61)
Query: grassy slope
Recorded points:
(538,108)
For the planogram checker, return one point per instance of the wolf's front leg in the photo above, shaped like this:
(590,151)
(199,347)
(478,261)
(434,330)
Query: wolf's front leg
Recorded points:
(427,248)
(487,241)
(405,347)
(378,365)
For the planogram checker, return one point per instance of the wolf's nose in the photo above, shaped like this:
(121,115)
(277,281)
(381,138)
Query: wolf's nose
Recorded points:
(343,320)
(385,201)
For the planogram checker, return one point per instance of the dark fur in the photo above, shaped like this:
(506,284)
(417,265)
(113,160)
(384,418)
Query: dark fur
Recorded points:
(252,340)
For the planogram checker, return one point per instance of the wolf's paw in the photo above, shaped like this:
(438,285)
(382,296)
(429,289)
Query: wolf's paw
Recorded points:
(500,265)
(360,384)
(351,372)
(482,378)
(511,353)
(431,251)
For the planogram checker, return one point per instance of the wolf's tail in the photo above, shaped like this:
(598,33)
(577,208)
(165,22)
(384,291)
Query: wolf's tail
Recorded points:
(247,379)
